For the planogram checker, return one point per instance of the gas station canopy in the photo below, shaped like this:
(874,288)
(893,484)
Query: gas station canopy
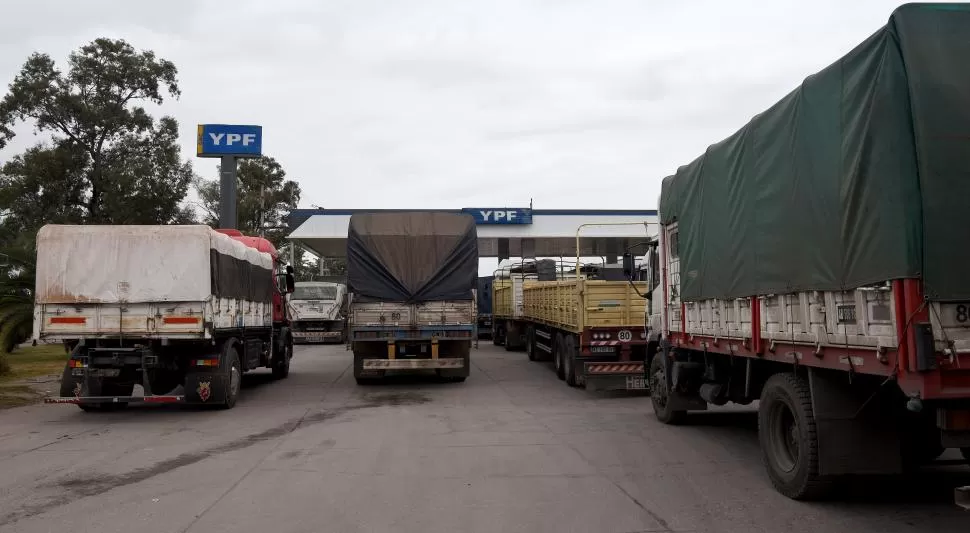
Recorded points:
(503,232)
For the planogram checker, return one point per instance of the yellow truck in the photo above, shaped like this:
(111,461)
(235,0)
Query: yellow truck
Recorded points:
(592,329)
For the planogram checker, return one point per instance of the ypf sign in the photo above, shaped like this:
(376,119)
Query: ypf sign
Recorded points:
(221,140)
(499,215)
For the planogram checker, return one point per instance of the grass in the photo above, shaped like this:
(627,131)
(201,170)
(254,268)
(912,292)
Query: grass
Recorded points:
(25,363)
(34,361)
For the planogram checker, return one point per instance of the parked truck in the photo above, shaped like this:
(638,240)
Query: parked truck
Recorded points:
(411,278)
(592,329)
(815,261)
(483,297)
(182,311)
(319,310)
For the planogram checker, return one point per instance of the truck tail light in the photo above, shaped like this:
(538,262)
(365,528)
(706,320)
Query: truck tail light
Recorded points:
(205,362)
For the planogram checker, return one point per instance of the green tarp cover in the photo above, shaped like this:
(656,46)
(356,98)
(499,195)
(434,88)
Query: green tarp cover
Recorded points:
(861,175)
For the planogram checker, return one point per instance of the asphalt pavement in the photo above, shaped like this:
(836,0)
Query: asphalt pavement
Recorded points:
(513,449)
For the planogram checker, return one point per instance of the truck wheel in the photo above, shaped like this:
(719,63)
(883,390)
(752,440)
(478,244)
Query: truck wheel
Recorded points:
(789,438)
(530,343)
(557,349)
(281,364)
(233,379)
(509,345)
(569,361)
(660,395)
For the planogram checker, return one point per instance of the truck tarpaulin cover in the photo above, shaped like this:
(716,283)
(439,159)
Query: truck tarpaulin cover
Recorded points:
(412,256)
(860,175)
(139,264)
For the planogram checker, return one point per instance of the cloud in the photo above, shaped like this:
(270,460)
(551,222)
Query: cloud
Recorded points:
(436,103)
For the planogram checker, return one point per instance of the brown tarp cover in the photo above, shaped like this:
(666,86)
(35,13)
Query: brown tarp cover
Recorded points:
(412,256)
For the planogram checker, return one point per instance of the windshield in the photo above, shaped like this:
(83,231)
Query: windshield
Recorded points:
(317,292)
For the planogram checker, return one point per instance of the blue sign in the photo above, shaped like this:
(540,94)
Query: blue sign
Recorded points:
(217,140)
(500,215)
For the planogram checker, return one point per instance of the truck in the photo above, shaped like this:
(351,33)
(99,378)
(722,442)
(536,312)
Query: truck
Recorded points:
(411,278)
(592,329)
(814,261)
(181,311)
(318,309)
(483,297)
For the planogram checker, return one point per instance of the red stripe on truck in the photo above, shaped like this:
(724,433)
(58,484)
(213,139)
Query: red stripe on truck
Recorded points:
(68,320)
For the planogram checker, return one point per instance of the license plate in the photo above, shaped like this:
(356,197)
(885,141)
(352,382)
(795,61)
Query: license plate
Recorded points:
(315,338)
(636,383)
(602,349)
(955,315)
(104,372)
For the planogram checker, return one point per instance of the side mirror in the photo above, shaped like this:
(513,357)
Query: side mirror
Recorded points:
(629,265)
(290,281)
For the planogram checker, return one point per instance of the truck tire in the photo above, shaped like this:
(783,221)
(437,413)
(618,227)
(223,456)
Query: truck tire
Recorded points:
(569,361)
(660,395)
(233,379)
(283,353)
(530,343)
(789,438)
(557,349)
(509,345)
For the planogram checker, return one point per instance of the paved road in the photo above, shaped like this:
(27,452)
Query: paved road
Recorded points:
(512,449)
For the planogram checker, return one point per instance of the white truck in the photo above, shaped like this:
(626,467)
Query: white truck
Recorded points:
(319,311)
(182,311)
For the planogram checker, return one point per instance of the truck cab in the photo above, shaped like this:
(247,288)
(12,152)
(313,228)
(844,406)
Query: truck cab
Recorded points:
(319,311)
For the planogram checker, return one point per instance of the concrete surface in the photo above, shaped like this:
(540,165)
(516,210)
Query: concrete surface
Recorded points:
(513,449)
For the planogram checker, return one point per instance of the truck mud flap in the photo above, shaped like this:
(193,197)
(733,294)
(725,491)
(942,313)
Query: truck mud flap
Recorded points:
(604,376)
(204,388)
(413,364)
(116,399)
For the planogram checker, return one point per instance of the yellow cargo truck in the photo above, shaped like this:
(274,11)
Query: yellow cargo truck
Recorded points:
(593,329)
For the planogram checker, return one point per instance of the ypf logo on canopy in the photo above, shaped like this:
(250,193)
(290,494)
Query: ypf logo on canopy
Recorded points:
(485,215)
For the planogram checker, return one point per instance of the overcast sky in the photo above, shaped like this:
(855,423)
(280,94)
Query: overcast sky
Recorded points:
(448,103)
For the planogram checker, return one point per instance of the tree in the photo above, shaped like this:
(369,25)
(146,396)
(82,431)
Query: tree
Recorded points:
(16,301)
(264,197)
(109,159)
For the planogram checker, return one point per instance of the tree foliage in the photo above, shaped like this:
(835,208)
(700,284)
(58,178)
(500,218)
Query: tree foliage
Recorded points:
(264,198)
(109,159)
(16,301)
(106,160)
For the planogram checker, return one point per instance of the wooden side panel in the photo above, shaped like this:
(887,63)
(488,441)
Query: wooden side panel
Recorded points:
(614,303)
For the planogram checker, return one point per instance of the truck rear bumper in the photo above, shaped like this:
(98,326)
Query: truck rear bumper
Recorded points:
(317,336)
(413,364)
(116,399)
(600,376)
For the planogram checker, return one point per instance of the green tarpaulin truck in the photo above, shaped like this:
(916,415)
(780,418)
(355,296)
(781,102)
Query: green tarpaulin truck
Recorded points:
(816,260)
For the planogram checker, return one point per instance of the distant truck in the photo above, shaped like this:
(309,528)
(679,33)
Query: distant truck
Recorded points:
(815,261)
(182,311)
(592,329)
(483,297)
(318,311)
(411,278)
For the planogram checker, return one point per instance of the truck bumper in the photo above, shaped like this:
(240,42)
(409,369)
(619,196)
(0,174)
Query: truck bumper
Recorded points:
(413,364)
(116,399)
(317,336)
(603,376)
